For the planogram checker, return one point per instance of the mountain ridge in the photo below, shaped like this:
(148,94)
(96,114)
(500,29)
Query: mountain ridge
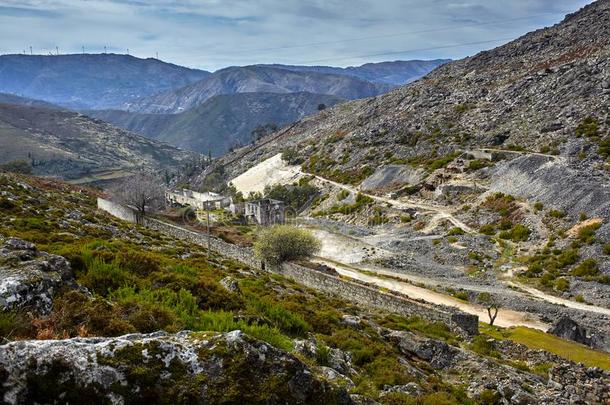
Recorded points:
(251,79)
(90,80)
(69,145)
(221,122)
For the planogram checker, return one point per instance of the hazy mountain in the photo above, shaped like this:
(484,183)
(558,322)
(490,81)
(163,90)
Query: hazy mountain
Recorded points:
(90,81)
(221,121)
(70,145)
(252,79)
(13,99)
(394,73)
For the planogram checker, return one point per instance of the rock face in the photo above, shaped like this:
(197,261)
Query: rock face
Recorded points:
(29,278)
(568,328)
(181,368)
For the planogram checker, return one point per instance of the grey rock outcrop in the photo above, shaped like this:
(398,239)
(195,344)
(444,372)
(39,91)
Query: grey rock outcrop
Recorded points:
(30,278)
(568,328)
(186,367)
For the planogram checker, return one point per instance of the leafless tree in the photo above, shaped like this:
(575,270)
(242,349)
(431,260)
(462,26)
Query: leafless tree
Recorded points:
(141,191)
(490,304)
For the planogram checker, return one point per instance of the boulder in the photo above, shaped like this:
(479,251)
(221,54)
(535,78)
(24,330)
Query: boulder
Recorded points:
(186,367)
(568,328)
(30,278)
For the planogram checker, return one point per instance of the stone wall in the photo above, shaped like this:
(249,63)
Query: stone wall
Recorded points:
(241,254)
(118,210)
(371,296)
(353,291)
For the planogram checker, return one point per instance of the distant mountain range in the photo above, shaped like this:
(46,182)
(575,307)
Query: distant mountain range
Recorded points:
(256,79)
(395,73)
(189,108)
(90,81)
(221,121)
(69,145)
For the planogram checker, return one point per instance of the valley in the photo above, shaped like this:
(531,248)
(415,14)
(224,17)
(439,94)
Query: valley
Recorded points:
(248,228)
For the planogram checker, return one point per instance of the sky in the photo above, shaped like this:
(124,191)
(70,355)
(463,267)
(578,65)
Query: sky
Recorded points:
(212,34)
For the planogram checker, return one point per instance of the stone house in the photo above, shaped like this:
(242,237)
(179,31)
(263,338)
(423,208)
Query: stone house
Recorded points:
(197,200)
(265,211)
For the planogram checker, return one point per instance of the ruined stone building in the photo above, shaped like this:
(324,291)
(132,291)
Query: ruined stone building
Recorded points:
(197,200)
(265,211)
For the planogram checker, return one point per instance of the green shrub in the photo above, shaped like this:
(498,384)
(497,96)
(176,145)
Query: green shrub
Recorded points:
(482,345)
(538,206)
(567,258)
(282,243)
(489,397)
(323,355)
(407,218)
(588,127)
(279,316)
(586,234)
(477,164)
(102,277)
(557,213)
(607,249)
(343,194)
(455,231)
(561,284)
(138,262)
(488,229)
(520,233)
(586,268)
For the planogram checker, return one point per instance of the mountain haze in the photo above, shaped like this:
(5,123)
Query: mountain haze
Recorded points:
(253,79)
(393,73)
(90,80)
(221,121)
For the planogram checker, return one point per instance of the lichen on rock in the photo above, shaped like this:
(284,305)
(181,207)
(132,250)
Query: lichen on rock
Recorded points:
(30,278)
(185,367)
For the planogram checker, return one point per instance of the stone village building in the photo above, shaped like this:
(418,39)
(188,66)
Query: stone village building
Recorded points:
(263,212)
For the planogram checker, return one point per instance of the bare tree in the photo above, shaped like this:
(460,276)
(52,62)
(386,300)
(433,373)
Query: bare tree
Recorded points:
(490,304)
(141,191)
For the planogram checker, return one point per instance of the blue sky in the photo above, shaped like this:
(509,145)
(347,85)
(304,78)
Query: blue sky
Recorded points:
(211,34)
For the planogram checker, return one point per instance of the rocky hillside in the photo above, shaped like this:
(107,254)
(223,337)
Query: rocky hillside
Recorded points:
(395,73)
(222,121)
(93,308)
(548,90)
(90,81)
(250,79)
(490,172)
(70,145)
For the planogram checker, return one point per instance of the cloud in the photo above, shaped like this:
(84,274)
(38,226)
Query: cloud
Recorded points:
(212,34)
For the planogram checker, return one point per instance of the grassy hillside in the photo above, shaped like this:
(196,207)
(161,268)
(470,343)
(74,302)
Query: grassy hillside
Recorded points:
(66,144)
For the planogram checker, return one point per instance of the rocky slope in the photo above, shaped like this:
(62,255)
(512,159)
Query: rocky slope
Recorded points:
(395,73)
(90,81)
(533,93)
(255,337)
(181,368)
(250,79)
(490,173)
(222,121)
(70,145)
